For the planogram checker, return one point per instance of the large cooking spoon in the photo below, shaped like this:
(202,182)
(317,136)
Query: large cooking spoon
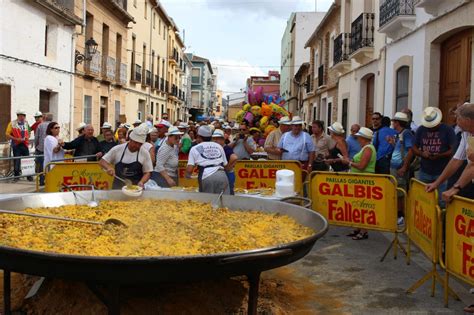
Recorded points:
(126,181)
(110,221)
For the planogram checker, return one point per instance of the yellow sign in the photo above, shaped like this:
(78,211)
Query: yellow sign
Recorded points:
(358,200)
(459,250)
(182,180)
(79,173)
(261,174)
(422,219)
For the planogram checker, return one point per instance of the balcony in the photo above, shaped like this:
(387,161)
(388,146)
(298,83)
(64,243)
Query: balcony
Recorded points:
(397,17)
(362,37)
(93,67)
(156,83)
(136,74)
(173,57)
(342,51)
(195,80)
(148,78)
(121,74)
(108,68)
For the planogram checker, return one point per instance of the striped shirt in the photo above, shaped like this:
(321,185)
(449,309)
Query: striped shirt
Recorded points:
(167,159)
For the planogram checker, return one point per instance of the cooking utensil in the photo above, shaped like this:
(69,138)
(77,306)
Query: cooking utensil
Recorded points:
(215,202)
(51,217)
(126,181)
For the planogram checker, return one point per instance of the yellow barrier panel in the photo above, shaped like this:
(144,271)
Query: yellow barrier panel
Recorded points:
(422,217)
(182,180)
(260,174)
(365,201)
(459,244)
(79,173)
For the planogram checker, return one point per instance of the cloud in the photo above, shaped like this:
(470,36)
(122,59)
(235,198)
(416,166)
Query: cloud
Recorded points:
(232,74)
(269,8)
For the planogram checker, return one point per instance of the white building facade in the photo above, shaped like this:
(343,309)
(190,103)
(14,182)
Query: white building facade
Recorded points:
(430,62)
(37,60)
(299,28)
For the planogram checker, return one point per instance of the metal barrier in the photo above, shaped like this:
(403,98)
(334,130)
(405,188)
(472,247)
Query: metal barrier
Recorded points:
(6,178)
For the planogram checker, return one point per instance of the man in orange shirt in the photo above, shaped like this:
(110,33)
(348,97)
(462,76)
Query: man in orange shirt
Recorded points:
(18,132)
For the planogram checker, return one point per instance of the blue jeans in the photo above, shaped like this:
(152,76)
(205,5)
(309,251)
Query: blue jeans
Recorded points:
(428,179)
(231,178)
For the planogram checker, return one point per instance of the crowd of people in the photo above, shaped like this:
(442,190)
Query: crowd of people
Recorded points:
(435,153)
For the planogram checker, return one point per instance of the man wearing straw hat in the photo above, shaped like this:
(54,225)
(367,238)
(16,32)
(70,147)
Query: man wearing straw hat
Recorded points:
(434,145)
(297,145)
(271,143)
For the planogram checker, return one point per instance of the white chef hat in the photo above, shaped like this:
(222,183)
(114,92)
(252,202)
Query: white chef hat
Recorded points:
(139,133)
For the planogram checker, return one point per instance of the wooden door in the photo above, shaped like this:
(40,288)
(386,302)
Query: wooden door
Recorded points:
(5,109)
(369,100)
(455,80)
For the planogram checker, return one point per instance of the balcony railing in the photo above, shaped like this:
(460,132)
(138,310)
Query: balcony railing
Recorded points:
(156,82)
(393,8)
(321,75)
(148,77)
(93,67)
(108,68)
(362,32)
(138,73)
(121,77)
(196,80)
(341,48)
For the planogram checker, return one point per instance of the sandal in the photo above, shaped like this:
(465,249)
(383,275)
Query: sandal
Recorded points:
(361,236)
(469,309)
(353,233)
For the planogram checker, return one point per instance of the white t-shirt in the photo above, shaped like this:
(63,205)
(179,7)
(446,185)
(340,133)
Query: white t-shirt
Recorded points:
(114,155)
(206,154)
(147,146)
(461,153)
(50,143)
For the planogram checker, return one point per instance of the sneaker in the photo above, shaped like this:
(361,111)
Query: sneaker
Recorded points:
(401,221)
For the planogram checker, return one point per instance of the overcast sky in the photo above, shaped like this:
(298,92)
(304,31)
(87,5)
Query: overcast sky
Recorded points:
(240,37)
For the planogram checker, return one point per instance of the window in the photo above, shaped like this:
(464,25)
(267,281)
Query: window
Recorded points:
(117,113)
(46,40)
(152,108)
(164,31)
(154,20)
(159,26)
(401,100)
(162,109)
(135,3)
(196,76)
(105,40)
(344,113)
(44,101)
(316,63)
(89,27)
(331,51)
(146,9)
(329,114)
(87,109)
(195,99)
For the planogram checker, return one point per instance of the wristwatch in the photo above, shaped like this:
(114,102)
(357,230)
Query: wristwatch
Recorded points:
(457,186)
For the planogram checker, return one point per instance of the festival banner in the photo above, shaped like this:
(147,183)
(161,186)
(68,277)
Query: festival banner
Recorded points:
(459,250)
(262,174)
(79,173)
(182,180)
(422,219)
(366,201)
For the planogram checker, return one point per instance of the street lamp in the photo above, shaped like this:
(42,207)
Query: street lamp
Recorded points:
(91,49)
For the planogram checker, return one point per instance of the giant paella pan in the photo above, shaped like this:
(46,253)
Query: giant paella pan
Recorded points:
(115,271)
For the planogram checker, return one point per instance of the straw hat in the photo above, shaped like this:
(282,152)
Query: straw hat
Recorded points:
(21,112)
(297,120)
(337,128)
(139,133)
(365,133)
(106,125)
(399,116)
(431,117)
(38,114)
(174,131)
(285,120)
(218,134)
(81,126)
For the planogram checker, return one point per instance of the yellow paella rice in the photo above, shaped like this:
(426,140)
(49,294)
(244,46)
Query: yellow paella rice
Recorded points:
(155,228)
